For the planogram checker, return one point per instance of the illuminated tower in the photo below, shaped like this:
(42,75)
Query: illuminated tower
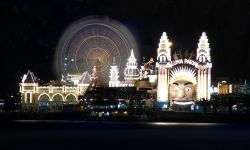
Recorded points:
(96,75)
(131,72)
(114,71)
(204,66)
(164,65)
(28,88)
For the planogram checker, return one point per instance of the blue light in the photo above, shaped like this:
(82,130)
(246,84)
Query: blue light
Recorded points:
(162,104)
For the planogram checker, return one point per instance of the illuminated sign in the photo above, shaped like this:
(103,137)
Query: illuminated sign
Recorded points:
(184,61)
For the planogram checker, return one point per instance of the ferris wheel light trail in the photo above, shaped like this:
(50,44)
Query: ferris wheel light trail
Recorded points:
(92,38)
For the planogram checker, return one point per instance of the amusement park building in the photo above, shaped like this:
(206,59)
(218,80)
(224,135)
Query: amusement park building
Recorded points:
(51,96)
(175,80)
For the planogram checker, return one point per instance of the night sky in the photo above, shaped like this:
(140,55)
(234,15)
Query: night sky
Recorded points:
(30,31)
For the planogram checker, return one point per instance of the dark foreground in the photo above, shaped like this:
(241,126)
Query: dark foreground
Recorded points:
(81,135)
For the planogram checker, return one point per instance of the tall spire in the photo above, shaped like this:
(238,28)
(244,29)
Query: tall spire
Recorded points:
(85,79)
(131,71)
(203,50)
(204,66)
(163,64)
(114,75)
(164,50)
(96,74)
(132,57)
(113,61)
(29,77)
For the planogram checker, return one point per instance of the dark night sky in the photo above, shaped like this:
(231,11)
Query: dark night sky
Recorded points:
(30,31)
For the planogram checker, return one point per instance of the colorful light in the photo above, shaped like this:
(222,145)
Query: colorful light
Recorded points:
(198,71)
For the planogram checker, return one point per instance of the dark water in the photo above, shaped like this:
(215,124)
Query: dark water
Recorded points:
(80,135)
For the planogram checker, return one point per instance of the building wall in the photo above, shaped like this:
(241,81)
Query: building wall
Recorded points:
(34,96)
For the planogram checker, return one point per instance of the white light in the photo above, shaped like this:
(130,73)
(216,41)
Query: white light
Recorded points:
(183,124)
(215,89)
(183,73)
(183,103)
(165,106)
(162,89)
(164,47)
(131,72)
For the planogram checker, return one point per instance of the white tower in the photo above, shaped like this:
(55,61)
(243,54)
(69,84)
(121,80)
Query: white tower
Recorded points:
(131,72)
(28,88)
(114,75)
(164,65)
(204,66)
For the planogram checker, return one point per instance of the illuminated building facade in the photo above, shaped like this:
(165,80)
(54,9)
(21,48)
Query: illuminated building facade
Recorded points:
(131,72)
(175,80)
(204,66)
(114,75)
(224,87)
(53,96)
(91,43)
(182,81)
(164,66)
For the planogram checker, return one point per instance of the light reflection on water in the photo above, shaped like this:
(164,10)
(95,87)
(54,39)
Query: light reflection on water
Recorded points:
(183,124)
(49,121)
(108,122)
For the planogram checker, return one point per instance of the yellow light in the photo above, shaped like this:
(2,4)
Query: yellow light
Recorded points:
(169,44)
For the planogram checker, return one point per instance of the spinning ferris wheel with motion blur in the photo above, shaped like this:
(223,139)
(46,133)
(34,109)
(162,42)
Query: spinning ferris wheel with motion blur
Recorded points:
(91,39)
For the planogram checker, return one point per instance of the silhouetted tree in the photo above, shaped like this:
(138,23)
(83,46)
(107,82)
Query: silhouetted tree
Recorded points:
(204,103)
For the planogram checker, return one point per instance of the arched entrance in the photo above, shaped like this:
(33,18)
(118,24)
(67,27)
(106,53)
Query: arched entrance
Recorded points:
(70,103)
(43,102)
(57,102)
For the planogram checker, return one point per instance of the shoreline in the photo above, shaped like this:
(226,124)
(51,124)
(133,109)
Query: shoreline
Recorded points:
(153,117)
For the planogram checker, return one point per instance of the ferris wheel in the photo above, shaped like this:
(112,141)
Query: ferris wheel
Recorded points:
(91,39)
